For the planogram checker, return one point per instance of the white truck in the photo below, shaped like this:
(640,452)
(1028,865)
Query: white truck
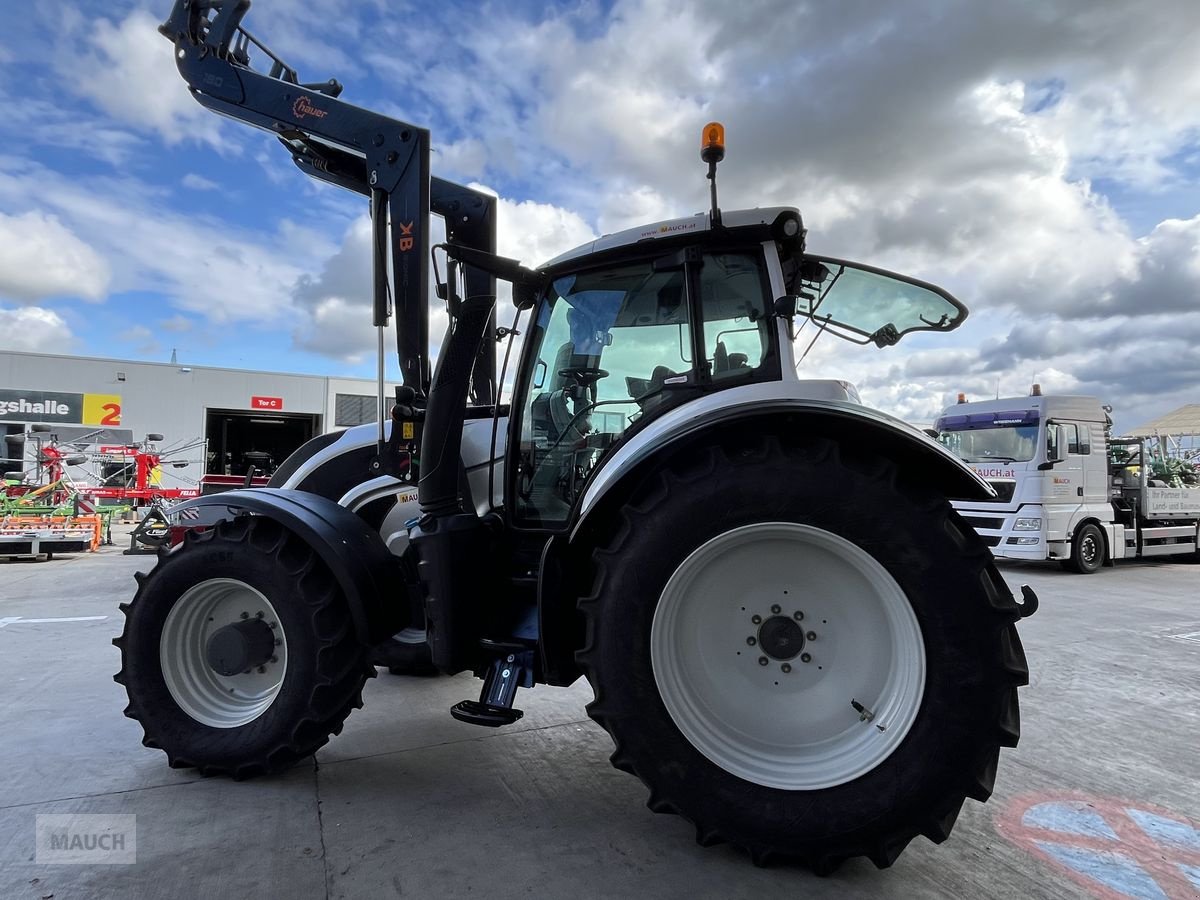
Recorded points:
(1066,490)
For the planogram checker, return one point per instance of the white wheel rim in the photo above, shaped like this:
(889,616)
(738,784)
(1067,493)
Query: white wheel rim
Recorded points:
(221,701)
(793,730)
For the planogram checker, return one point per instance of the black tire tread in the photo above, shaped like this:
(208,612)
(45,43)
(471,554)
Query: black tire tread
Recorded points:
(342,662)
(976,781)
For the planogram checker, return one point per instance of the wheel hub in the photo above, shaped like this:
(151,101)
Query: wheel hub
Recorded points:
(781,637)
(241,646)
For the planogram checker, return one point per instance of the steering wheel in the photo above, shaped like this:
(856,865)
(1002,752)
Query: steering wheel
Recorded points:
(585,376)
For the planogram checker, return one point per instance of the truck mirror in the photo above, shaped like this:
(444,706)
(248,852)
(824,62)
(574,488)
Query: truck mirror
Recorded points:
(1056,443)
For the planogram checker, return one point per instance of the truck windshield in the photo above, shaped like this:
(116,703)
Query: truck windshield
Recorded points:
(991,437)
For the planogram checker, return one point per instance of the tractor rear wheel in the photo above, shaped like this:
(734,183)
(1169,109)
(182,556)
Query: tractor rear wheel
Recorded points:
(802,654)
(239,654)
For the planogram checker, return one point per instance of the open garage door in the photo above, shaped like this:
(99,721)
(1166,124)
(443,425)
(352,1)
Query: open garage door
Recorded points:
(238,439)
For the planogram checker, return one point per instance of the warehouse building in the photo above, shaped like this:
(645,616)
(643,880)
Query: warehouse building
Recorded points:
(231,418)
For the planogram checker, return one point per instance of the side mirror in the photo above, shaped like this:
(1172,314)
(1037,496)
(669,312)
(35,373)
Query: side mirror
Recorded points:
(154,437)
(1056,445)
(40,427)
(524,295)
(539,374)
(77,459)
(785,306)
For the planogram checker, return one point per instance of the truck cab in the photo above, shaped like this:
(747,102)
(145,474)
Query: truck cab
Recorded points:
(1045,457)
(1065,489)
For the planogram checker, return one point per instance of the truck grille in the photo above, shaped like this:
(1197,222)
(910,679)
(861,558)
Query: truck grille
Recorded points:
(985,522)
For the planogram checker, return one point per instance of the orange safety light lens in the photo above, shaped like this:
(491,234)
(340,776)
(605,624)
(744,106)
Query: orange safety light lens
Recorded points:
(714,136)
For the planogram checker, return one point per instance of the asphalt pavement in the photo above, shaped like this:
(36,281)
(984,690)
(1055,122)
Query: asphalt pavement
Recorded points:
(1100,799)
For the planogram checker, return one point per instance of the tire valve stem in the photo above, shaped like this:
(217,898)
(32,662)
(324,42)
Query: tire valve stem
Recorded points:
(864,714)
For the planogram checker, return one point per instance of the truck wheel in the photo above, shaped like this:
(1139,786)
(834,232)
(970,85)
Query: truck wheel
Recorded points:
(1087,551)
(802,654)
(239,655)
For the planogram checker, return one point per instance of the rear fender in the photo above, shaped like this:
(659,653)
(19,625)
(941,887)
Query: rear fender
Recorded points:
(566,559)
(769,408)
(367,573)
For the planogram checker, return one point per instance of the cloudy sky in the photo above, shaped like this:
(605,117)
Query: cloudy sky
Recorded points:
(1038,159)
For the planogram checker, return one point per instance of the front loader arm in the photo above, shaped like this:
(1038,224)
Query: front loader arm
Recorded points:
(354,148)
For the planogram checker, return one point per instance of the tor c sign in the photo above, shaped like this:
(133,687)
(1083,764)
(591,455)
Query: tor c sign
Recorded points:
(271,403)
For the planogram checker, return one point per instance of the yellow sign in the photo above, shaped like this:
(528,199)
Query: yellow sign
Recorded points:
(407,432)
(101,409)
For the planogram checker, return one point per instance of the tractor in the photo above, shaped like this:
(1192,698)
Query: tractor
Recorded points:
(792,638)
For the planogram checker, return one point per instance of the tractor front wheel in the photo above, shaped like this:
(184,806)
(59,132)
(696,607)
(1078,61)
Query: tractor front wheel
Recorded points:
(239,654)
(800,653)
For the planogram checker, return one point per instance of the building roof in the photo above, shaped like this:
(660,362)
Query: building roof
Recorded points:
(1182,421)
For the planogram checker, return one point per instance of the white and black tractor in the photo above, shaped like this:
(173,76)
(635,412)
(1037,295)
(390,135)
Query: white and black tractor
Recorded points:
(792,638)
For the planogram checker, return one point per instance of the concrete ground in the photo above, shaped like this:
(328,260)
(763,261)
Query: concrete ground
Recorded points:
(1100,799)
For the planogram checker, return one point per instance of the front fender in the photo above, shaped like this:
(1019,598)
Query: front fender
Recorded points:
(367,573)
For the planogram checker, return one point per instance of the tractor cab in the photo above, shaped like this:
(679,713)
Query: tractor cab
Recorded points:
(614,346)
(638,323)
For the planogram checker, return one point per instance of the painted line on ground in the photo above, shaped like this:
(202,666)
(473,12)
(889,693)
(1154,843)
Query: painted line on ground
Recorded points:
(21,620)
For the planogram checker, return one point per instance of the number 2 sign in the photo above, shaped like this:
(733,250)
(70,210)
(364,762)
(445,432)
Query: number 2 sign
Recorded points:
(101,409)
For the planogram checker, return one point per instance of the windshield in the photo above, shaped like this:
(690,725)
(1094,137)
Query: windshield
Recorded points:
(991,437)
(864,304)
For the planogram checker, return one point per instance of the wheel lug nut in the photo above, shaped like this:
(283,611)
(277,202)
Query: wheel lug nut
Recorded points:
(805,657)
(775,608)
(261,669)
(751,640)
(762,660)
(756,619)
(259,614)
(274,659)
(786,668)
(812,635)
(798,616)
(245,615)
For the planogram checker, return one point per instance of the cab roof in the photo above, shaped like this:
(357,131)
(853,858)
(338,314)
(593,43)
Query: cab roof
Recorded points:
(671,228)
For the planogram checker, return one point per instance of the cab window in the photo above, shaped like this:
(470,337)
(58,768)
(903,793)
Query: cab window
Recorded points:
(613,347)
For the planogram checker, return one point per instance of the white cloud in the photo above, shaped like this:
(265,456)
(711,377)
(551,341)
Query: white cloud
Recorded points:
(335,304)
(35,330)
(40,258)
(198,182)
(176,324)
(142,339)
(128,71)
(204,265)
